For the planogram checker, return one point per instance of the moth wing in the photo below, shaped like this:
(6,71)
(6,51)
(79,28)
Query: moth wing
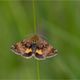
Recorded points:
(22,48)
(51,52)
(46,48)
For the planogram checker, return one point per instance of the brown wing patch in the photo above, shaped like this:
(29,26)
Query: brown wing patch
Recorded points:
(22,47)
(47,49)
(18,48)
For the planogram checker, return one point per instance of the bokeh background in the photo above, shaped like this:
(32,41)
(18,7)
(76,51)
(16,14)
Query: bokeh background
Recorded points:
(58,22)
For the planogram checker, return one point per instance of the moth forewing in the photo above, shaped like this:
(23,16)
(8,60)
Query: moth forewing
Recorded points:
(51,51)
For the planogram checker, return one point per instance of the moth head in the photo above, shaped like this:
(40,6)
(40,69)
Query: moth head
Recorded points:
(35,38)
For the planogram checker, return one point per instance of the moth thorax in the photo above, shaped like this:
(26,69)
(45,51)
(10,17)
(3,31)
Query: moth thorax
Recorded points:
(34,46)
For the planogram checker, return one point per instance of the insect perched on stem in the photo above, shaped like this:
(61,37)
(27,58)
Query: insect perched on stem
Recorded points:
(34,46)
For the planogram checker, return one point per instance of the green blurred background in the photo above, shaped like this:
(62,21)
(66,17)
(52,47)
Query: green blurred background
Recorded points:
(58,22)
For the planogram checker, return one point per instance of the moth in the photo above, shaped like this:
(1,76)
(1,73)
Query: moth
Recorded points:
(34,46)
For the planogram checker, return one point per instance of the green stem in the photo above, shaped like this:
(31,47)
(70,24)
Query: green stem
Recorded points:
(34,17)
(38,70)
(35,31)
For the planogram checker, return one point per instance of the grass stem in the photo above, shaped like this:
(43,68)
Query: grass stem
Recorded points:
(35,31)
